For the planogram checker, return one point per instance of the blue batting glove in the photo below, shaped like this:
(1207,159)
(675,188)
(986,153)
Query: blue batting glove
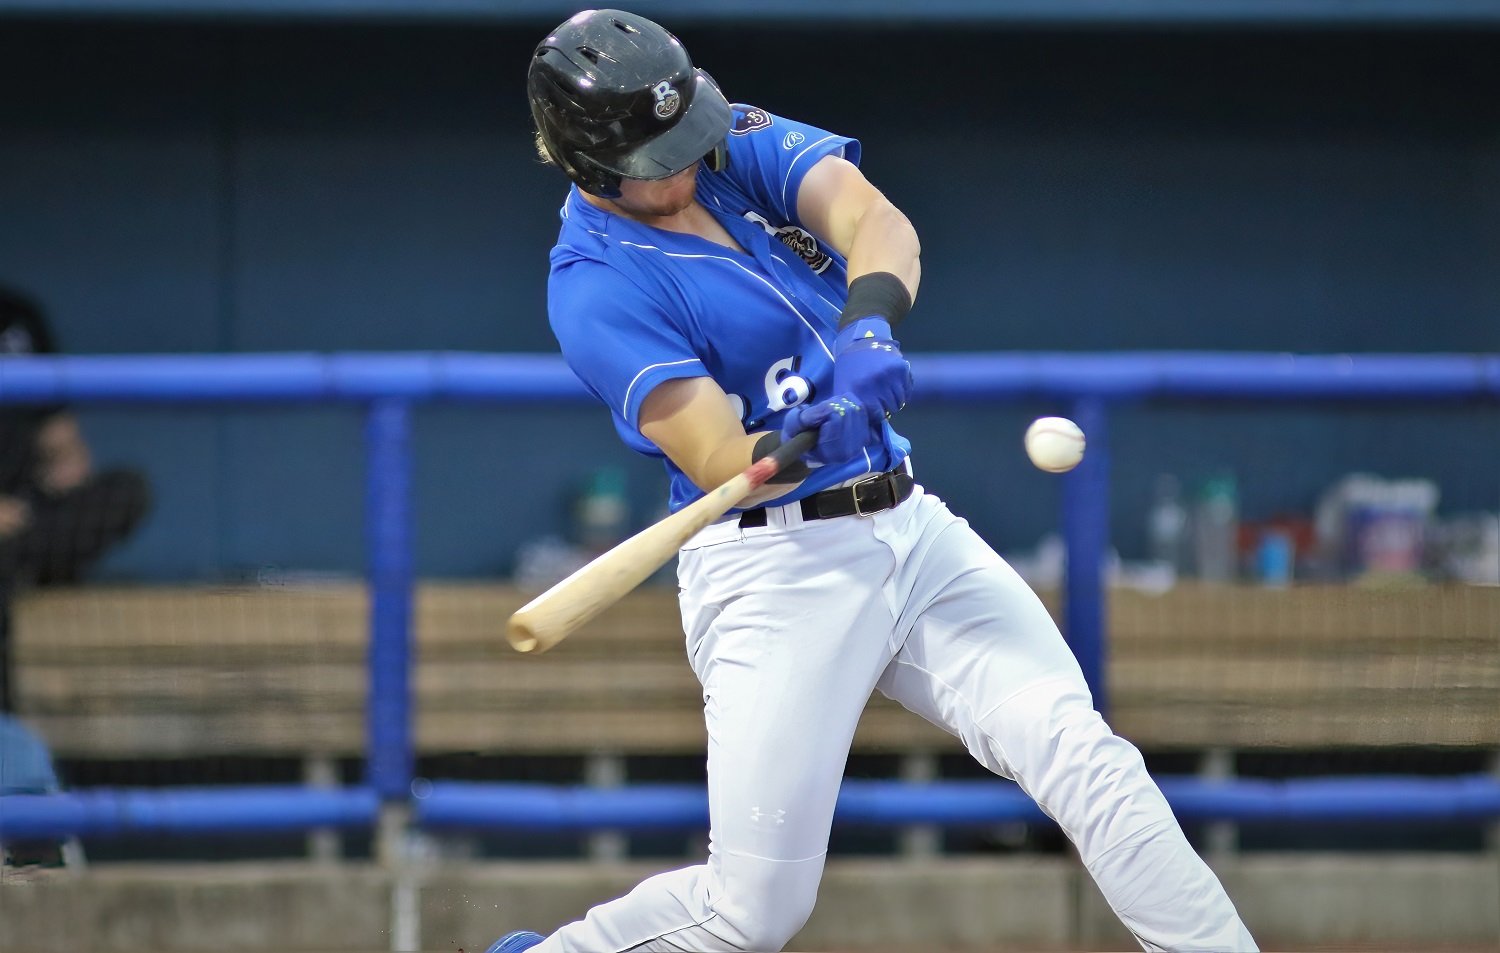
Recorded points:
(868,365)
(843,427)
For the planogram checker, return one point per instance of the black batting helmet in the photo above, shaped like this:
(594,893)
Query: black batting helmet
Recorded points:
(615,96)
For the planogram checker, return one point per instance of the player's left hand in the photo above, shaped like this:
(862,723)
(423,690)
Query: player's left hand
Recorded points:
(843,428)
(868,363)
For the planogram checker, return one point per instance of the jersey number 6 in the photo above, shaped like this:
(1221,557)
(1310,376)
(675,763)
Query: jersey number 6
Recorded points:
(784,388)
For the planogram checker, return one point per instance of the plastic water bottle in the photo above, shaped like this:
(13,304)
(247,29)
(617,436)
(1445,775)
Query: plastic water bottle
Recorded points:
(1215,528)
(602,512)
(1167,525)
(1275,558)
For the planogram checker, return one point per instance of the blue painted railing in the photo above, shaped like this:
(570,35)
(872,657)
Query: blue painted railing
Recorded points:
(114,812)
(387,385)
(455,805)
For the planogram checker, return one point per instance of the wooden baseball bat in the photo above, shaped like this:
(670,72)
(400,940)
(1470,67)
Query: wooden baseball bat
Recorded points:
(557,613)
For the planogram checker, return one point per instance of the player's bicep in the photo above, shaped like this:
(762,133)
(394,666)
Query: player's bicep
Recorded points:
(833,197)
(691,420)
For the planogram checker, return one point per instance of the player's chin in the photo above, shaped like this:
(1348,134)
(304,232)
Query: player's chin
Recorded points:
(678,197)
(660,197)
(667,205)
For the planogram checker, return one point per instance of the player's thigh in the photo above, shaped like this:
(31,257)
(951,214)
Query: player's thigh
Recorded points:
(788,651)
(978,634)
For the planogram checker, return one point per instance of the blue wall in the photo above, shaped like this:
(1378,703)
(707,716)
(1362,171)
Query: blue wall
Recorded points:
(333,187)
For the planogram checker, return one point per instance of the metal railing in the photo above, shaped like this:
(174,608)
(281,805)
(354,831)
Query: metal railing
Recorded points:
(387,386)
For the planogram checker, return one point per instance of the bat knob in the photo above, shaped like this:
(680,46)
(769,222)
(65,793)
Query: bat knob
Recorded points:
(520,636)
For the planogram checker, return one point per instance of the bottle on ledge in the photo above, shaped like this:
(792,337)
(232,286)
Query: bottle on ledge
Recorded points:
(1167,526)
(1215,531)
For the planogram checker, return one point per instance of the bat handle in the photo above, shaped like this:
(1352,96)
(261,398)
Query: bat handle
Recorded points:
(773,463)
(794,448)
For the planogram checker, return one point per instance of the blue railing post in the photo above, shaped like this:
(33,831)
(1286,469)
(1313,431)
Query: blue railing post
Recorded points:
(1086,537)
(388,538)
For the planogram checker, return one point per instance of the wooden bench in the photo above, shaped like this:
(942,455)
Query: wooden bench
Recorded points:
(113,673)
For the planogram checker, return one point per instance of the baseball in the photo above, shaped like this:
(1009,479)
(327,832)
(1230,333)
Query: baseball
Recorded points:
(1054,444)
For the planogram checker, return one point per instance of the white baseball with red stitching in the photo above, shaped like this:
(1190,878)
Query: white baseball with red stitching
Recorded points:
(1054,444)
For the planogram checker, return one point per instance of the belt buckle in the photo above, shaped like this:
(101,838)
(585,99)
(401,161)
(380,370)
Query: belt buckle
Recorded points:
(854,487)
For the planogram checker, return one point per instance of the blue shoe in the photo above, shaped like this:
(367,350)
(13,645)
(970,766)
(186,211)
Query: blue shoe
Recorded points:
(516,942)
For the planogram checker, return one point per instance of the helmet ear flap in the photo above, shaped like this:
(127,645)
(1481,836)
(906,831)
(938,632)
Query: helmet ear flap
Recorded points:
(578,166)
(595,179)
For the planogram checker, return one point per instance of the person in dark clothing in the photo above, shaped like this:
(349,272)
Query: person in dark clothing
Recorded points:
(58,515)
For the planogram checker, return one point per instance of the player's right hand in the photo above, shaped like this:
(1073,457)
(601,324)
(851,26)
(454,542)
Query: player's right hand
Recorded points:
(843,427)
(868,364)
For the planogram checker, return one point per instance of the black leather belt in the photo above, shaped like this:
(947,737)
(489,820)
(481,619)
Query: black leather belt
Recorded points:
(882,491)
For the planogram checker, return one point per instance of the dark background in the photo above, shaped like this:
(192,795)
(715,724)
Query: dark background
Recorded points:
(209,187)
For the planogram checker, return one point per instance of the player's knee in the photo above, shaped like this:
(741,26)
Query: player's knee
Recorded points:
(1061,751)
(761,915)
(1051,740)
(767,929)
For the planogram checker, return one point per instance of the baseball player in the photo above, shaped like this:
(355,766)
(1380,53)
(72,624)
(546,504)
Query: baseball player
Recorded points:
(725,279)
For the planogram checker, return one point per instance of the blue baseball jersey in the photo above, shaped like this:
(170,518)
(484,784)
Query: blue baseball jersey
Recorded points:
(633,306)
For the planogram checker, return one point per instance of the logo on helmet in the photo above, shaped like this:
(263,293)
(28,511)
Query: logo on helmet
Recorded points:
(667,100)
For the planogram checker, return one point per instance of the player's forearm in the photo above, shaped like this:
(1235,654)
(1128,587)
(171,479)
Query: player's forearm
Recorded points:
(884,240)
(733,456)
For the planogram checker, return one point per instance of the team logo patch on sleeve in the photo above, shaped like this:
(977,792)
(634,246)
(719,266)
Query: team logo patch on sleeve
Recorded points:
(747,119)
